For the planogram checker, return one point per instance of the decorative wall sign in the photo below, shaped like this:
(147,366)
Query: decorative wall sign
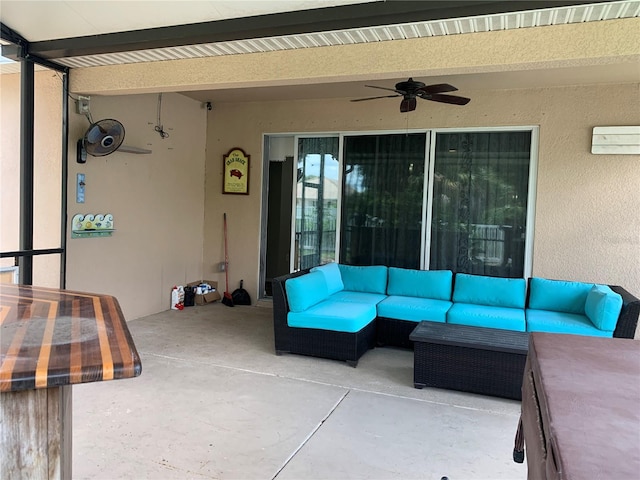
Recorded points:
(236,172)
(92,225)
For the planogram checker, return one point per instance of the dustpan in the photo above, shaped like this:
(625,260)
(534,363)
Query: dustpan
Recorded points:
(240,296)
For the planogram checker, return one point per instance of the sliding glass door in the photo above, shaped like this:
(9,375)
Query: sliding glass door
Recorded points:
(382,199)
(479,202)
(316,202)
(446,199)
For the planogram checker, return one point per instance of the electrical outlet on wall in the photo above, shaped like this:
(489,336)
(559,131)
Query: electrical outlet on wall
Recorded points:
(82,105)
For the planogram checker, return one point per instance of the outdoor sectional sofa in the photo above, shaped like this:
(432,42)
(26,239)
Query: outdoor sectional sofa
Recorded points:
(340,311)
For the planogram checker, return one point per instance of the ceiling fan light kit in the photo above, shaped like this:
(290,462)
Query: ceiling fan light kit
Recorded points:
(411,89)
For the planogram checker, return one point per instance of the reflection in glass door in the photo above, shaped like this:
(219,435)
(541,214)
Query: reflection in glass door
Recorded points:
(316,202)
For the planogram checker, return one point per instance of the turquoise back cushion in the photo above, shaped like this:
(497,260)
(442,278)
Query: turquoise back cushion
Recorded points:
(306,291)
(490,291)
(558,295)
(332,275)
(603,307)
(372,279)
(434,284)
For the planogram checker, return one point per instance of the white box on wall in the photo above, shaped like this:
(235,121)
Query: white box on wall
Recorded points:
(616,140)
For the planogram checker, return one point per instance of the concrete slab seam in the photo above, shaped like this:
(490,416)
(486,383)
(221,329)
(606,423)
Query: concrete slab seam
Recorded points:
(311,434)
(327,384)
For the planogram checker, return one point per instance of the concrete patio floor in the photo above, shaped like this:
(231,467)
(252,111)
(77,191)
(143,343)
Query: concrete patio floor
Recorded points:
(215,402)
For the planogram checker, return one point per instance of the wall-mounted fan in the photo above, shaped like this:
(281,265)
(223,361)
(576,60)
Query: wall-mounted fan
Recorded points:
(101,138)
(410,90)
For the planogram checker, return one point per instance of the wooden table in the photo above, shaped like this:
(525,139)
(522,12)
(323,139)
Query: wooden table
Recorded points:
(50,340)
(580,408)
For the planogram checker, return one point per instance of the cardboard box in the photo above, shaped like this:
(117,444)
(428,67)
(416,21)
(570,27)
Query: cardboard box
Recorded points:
(207,297)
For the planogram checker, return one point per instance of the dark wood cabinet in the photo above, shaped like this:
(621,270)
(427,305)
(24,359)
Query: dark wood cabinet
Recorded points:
(581,407)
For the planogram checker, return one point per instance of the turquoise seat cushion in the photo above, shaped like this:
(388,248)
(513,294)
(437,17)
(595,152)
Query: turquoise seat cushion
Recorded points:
(490,291)
(336,316)
(487,316)
(603,307)
(558,295)
(562,322)
(414,309)
(434,284)
(357,297)
(371,279)
(306,291)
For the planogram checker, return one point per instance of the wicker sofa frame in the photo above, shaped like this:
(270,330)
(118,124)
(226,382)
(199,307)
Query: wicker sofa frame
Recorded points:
(345,346)
(349,347)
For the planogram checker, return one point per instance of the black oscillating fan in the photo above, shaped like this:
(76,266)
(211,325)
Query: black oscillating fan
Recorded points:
(101,138)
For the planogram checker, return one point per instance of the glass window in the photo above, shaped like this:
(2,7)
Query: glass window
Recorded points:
(479,209)
(382,200)
(316,208)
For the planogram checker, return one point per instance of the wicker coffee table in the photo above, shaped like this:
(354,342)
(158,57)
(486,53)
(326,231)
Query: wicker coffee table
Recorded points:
(470,359)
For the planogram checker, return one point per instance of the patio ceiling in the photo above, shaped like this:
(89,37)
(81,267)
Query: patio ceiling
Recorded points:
(81,34)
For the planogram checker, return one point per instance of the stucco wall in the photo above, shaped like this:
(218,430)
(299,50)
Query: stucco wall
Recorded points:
(541,52)
(587,227)
(157,201)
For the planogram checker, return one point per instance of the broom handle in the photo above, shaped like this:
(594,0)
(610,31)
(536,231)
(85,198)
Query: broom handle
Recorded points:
(226,256)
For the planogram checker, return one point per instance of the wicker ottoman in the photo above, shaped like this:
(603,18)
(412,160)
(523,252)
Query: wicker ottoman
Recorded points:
(470,359)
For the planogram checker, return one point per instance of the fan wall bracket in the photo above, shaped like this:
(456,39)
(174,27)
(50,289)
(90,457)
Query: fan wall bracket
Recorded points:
(81,153)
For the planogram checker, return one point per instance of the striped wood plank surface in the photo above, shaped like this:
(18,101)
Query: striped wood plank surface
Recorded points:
(51,337)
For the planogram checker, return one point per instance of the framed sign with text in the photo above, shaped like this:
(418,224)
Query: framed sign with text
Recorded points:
(235,178)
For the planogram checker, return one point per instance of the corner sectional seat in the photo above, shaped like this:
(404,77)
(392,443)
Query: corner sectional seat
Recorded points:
(340,311)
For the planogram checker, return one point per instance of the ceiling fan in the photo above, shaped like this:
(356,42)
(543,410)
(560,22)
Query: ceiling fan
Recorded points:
(410,90)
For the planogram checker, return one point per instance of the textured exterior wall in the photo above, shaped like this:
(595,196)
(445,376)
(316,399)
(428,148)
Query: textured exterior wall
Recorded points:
(594,43)
(587,221)
(157,201)
(586,228)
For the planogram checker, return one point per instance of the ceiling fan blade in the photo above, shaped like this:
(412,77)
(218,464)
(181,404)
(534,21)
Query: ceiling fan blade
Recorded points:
(385,88)
(437,88)
(452,99)
(408,105)
(374,98)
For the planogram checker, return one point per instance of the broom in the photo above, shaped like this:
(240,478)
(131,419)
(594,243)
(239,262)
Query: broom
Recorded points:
(226,298)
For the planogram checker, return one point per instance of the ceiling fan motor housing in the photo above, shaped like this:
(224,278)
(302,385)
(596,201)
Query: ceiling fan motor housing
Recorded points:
(410,86)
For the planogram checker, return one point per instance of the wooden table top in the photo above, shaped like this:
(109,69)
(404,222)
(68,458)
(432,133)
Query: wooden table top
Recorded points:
(51,337)
(588,390)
